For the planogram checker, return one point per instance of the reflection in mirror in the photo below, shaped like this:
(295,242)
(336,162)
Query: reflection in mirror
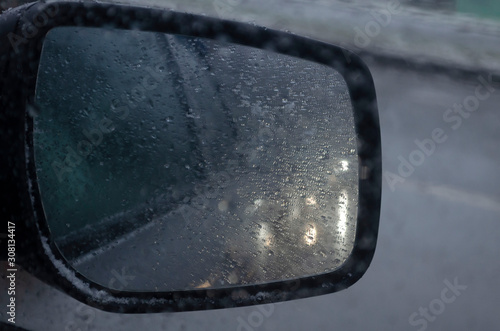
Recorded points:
(168,163)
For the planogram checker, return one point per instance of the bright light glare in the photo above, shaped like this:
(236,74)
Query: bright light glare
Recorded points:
(265,236)
(310,235)
(311,201)
(344,165)
(343,201)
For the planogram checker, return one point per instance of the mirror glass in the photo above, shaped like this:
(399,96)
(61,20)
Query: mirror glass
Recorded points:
(167,162)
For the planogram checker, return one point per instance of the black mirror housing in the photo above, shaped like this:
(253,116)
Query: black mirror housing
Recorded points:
(23,32)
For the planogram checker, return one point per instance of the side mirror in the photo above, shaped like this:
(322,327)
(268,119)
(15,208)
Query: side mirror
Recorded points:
(175,162)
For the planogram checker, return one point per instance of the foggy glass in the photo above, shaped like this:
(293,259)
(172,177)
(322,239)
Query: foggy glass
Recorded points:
(167,162)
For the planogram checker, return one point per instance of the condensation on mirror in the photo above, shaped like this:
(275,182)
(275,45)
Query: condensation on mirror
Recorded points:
(169,163)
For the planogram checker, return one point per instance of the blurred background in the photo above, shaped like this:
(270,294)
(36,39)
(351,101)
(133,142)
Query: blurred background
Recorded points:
(440,225)
(482,8)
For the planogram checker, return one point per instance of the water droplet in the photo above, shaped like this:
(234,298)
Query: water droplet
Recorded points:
(33,110)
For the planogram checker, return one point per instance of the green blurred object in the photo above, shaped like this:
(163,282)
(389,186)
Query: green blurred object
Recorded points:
(481,8)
